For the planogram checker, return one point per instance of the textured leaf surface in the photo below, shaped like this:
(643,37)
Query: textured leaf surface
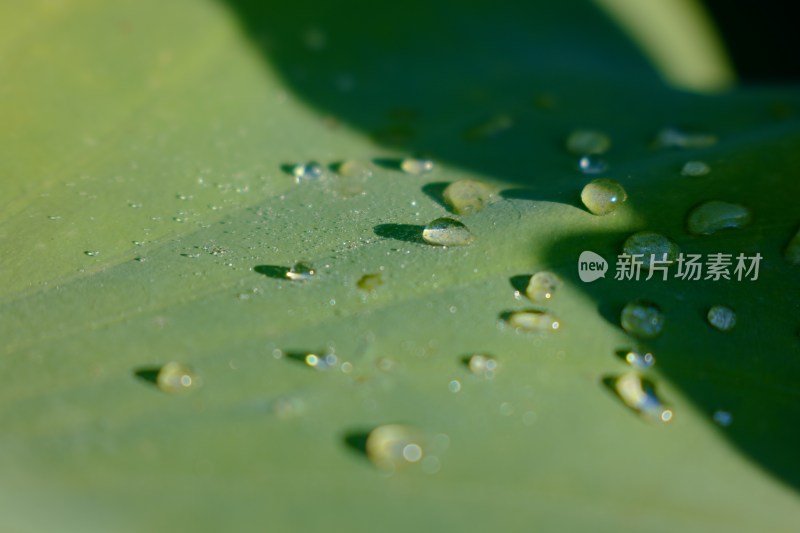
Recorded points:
(153,135)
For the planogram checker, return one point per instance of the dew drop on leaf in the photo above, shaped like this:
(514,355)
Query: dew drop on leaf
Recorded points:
(465,197)
(393,446)
(532,320)
(722,317)
(542,286)
(640,361)
(695,168)
(592,164)
(301,271)
(639,395)
(447,232)
(482,365)
(411,165)
(642,319)
(713,216)
(603,195)
(651,245)
(175,377)
(676,138)
(310,171)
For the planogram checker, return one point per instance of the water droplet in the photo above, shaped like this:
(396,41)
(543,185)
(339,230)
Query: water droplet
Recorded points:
(301,271)
(640,361)
(354,169)
(642,319)
(483,366)
(651,246)
(602,196)
(532,320)
(489,128)
(542,286)
(322,362)
(675,138)
(454,386)
(695,168)
(591,164)
(723,418)
(713,216)
(412,165)
(639,395)
(465,197)
(92,253)
(722,317)
(447,232)
(310,171)
(370,282)
(175,377)
(588,142)
(792,251)
(393,446)
(54,217)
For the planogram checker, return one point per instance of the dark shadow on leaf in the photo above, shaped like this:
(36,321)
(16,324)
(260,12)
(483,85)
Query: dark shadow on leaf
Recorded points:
(356,441)
(435,191)
(388,163)
(272,271)
(401,232)
(148,374)
(520,282)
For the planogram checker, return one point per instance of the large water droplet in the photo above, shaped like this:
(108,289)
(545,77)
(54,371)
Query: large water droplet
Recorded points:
(542,286)
(792,251)
(695,168)
(465,197)
(591,164)
(722,317)
(653,247)
(412,165)
(588,142)
(447,232)
(639,395)
(175,377)
(713,216)
(643,319)
(532,320)
(483,366)
(603,196)
(393,446)
(310,171)
(301,271)
(675,138)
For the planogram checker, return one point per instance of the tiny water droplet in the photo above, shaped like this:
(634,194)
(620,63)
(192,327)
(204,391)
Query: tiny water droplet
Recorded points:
(651,246)
(695,168)
(325,361)
(542,286)
(370,282)
(92,253)
(642,319)
(310,171)
(639,395)
(603,195)
(393,446)
(532,320)
(675,138)
(447,232)
(640,361)
(723,418)
(792,251)
(713,216)
(54,217)
(591,164)
(465,197)
(483,366)
(454,386)
(588,142)
(175,377)
(301,271)
(722,317)
(412,165)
